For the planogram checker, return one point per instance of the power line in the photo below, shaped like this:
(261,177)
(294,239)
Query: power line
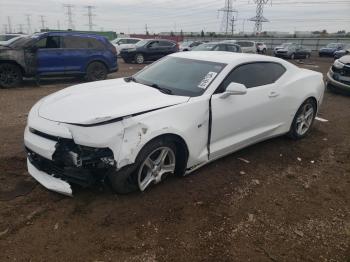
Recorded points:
(69,15)
(227,17)
(29,26)
(9,24)
(42,21)
(90,15)
(259,18)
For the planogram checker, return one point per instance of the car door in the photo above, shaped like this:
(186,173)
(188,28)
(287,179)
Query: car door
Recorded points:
(167,48)
(76,53)
(49,55)
(153,50)
(240,120)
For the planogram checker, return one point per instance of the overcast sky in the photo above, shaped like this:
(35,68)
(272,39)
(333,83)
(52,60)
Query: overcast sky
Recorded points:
(130,16)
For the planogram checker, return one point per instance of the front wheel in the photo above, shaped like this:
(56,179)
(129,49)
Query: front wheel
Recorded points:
(96,71)
(303,120)
(10,75)
(139,58)
(154,163)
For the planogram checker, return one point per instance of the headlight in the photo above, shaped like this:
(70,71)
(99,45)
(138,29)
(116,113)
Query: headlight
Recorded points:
(338,64)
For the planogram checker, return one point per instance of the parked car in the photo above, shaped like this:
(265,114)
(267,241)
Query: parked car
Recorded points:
(261,48)
(57,53)
(246,46)
(293,52)
(338,76)
(124,43)
(220,46)
(174,116)
(188,45)
(330,49)
(149,50)
(345,51)
(7,39)
(283,46)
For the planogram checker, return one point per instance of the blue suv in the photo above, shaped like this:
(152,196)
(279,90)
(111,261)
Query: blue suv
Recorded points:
(57,54)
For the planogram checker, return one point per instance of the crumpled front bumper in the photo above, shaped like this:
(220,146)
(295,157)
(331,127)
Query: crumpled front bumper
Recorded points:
(49,181)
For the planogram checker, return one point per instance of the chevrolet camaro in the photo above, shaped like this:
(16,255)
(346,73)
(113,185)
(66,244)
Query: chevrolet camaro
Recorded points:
(172,117)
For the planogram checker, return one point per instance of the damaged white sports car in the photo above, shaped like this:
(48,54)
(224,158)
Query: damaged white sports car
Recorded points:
(172,117)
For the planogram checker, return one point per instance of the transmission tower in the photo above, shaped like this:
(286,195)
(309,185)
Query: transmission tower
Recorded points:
(69,15)
(9,24)
(227,17)
(29,26)
(42,21)
(259,18)
(90,15)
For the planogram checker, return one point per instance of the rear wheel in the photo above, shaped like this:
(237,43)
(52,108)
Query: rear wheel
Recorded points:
(10,75)
(139,58)
(153,164)
(264,51)
(96,71)
(292,56)
(307,56)
(303,120)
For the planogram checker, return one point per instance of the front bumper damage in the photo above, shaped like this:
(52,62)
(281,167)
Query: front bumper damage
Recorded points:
(58,162)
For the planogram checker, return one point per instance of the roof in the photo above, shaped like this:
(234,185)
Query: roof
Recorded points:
(228,57)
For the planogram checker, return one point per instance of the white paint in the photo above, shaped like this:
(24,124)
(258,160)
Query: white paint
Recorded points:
(48,181)
(237,120)
(321,119)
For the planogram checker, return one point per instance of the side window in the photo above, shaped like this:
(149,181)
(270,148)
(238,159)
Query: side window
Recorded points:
(49,42)
(264,73)
(154,44)
(242,44)
(165,44)
(95,44)
(132,41)
(122,41)
(75,42)
(232,48)
(222,48)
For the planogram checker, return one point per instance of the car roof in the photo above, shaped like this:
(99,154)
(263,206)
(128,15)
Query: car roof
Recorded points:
(229,57)
(71,33)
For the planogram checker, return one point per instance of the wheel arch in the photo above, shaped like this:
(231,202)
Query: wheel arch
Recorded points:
(13,63)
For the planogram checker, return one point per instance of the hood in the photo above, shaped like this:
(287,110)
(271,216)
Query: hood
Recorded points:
(345,59)
(102,101)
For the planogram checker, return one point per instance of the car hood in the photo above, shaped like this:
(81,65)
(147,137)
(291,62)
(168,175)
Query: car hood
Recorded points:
(93,103)
(345,59)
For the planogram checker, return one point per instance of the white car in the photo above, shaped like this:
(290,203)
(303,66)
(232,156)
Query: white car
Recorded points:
(124,43)
(246,46)
(174,116)
(261,48)
(7,39)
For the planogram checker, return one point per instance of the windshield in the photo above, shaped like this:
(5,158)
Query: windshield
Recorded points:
(204,47)
(7,37)
(21,42)
(141,43)
(184,77)
(332,45)
(186,43)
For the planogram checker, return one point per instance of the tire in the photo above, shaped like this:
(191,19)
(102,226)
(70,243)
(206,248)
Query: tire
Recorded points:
(129,178)
(139,59)
(307,56)
(96,71)
(10,75)
(264,51)
(303,118)
(292,56)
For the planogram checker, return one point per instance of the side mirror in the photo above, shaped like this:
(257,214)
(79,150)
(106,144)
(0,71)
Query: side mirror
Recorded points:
(234,89)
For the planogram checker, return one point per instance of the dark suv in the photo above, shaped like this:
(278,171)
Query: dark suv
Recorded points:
(149,50)
(57,54)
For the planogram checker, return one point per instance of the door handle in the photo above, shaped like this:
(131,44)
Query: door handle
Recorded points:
(273,94)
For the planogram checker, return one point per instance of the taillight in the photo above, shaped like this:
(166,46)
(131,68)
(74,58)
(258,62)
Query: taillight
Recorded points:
(114,50)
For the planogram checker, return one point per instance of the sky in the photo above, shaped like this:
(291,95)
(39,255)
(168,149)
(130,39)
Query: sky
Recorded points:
(131,16)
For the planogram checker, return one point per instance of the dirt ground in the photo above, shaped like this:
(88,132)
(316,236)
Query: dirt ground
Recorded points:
(291,202)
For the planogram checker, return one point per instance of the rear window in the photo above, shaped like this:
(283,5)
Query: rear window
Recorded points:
(166,43)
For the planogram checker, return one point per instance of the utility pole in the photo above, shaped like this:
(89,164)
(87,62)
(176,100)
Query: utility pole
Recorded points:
(227,17)
(146,27)
(259,18)
(20,28)
(42,21)
(29,26)
(5,28)
(9,24)
(90,15)
(233,25)
(69,15)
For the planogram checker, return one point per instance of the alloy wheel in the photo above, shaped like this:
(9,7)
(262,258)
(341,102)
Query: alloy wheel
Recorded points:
(304,119)
(156,166)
